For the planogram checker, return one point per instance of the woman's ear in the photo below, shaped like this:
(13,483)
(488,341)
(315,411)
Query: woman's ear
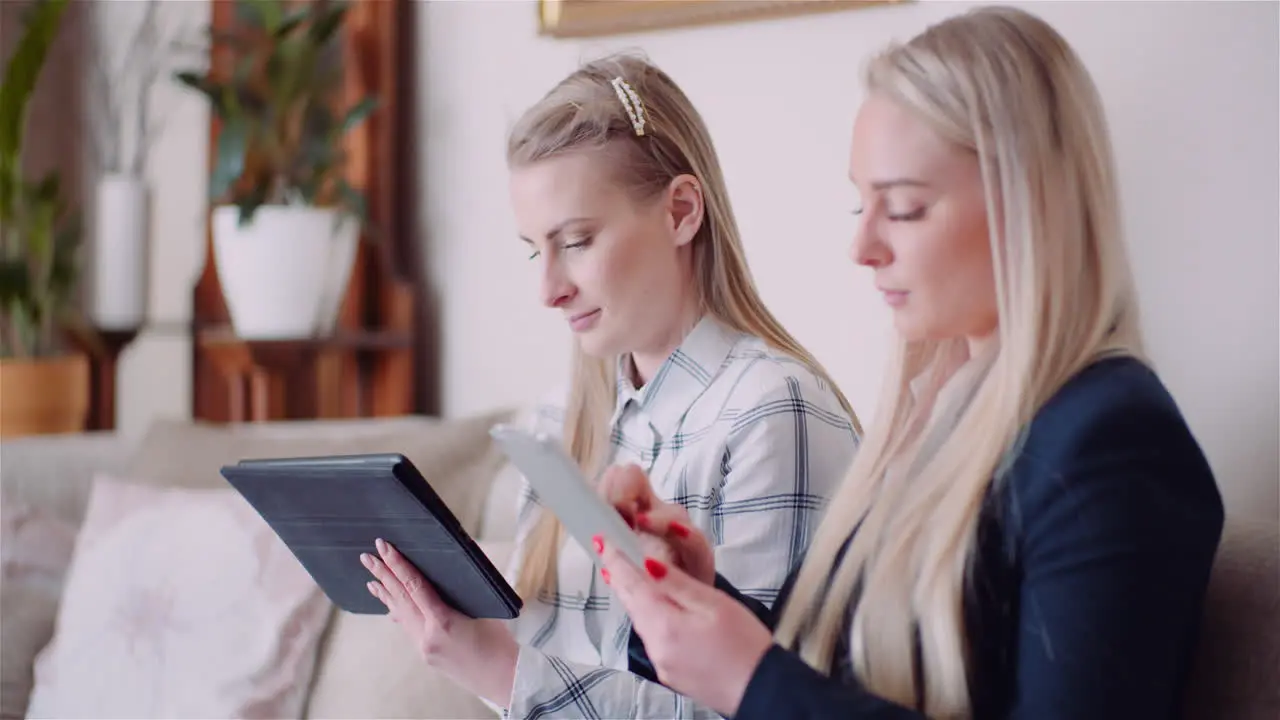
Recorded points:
(685,208)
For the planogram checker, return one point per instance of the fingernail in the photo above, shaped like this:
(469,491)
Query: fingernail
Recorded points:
(381,545)
(367,560)
(598,541)
(604,573)
(642,520)
(679,530)
(372,590)
(656,570)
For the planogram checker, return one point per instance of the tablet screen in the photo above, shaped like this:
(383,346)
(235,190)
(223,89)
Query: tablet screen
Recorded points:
(562,488)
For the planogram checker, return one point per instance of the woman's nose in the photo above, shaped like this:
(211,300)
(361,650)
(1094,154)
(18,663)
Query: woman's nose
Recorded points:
(557,290)
(868,248)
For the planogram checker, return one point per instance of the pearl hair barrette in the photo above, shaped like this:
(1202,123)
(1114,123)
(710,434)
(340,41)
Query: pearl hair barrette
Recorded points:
(630,101)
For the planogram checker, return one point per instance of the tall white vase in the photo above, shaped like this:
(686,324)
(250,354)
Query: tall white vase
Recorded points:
(121,227)
(284,274)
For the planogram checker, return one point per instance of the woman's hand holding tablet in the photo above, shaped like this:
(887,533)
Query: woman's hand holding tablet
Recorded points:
(478,654)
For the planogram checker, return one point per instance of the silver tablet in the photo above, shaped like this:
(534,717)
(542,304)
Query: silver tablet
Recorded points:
(562,489)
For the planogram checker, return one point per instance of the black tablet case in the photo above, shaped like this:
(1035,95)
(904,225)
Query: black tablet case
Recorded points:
(328,510)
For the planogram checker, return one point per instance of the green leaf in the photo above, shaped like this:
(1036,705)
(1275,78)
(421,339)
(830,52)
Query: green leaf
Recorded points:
(331,16)
(285,67)
(48,190)
(266,14)
(23,69)
(248,205)
(193,80)
(20,75)
(66,260)
(297,82)
(25,328)
(42,199)
(319,123)
(243,70)
(292,21)
(358,114)
(353,200)
(215,92)
(233,141)
(318,153)
(15,282)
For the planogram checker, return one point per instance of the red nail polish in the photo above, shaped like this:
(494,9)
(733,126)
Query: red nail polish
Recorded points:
(598,541)
(604,573)
(655,569)
(642,520)
(679,530)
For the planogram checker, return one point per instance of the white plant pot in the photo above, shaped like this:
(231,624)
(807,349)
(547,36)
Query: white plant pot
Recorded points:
(120,230)
(284,274)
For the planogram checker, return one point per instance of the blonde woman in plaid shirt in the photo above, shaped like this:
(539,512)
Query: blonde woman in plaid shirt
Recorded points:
(678,369)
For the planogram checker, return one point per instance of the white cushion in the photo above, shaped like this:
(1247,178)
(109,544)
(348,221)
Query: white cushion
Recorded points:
(179,603)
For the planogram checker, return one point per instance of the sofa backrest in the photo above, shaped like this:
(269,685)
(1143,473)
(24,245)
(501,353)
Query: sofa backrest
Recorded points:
(1237,670)
(55,473)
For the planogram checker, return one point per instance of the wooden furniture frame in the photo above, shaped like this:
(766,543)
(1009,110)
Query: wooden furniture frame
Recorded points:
(369,367)
(103,348)
(594,18)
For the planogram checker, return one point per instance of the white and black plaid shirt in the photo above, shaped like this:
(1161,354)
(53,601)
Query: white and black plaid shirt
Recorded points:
(753,444)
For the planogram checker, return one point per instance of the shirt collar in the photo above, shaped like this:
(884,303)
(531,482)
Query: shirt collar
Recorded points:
(681,378)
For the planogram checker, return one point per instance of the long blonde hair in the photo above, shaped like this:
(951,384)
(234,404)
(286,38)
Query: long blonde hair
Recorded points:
(1003,84)
(583,113)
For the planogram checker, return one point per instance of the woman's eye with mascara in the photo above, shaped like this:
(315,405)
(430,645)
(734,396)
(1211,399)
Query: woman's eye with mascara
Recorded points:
(916,214)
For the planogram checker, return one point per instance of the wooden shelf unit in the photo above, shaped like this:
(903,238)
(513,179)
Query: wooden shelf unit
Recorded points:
(371,365)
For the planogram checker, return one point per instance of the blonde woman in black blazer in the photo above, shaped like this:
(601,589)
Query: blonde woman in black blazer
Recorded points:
(1028,528)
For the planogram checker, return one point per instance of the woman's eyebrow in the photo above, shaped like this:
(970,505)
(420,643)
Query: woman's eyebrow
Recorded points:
(559,228)
(881,185)
(898,182)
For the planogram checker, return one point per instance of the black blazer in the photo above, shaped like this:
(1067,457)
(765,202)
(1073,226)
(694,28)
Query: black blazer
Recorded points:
(1087,587)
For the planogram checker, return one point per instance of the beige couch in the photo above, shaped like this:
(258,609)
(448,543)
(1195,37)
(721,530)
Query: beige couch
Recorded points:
(364,667)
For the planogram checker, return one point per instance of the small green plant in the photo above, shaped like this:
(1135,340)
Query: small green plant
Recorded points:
(39,235)
(281,133)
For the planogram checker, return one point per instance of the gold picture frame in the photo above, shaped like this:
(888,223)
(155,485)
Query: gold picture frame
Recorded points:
(595,18)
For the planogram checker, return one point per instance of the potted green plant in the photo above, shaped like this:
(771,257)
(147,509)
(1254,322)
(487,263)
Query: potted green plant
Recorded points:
(286,222)
(44,382)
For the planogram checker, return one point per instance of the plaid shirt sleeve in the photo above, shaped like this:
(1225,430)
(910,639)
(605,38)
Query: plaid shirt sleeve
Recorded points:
(784,459)
(785,454)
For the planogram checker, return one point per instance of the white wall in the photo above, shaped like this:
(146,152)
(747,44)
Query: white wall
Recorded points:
(1191,92)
